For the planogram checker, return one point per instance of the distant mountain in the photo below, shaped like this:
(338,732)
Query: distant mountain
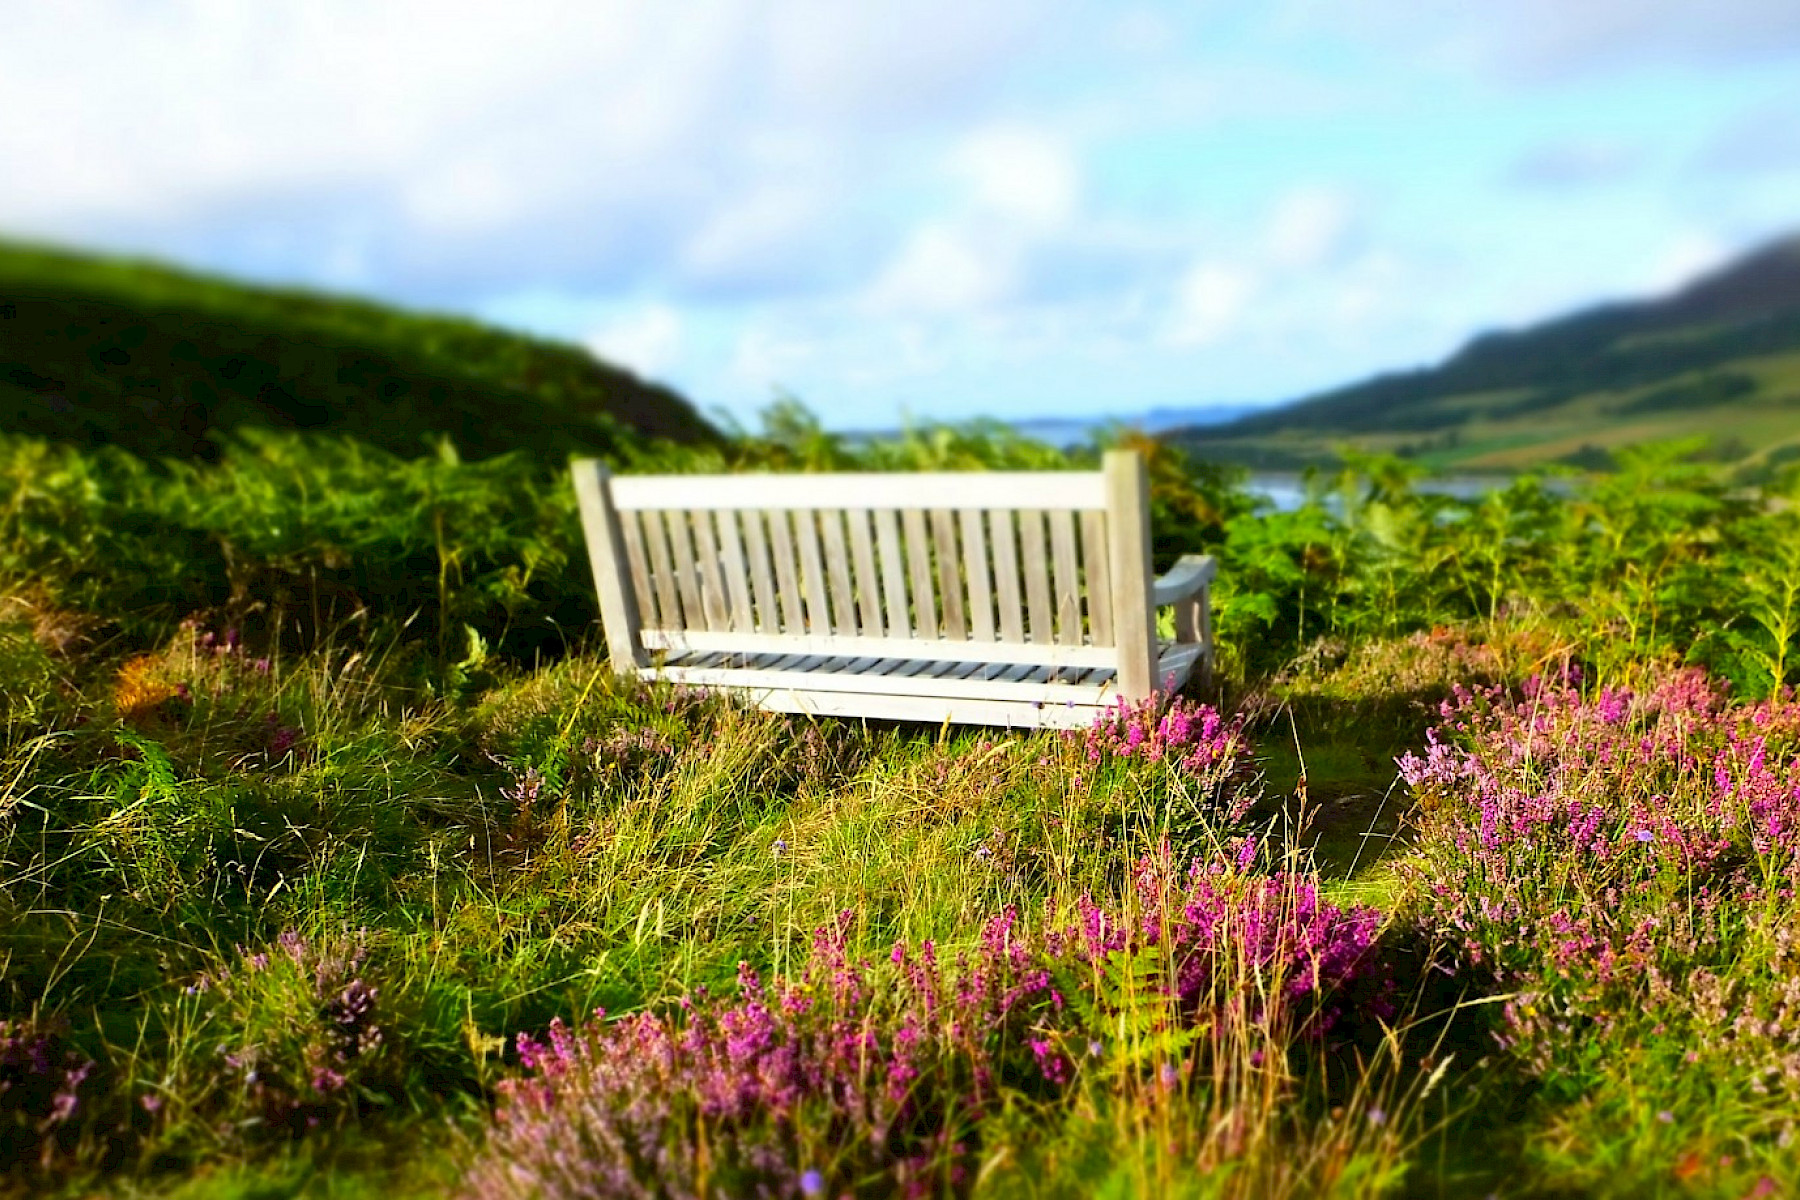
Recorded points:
(1075,430)
(163,362)
(1721,358)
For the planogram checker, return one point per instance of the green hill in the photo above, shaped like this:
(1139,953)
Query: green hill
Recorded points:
(163,362)
(1720,358)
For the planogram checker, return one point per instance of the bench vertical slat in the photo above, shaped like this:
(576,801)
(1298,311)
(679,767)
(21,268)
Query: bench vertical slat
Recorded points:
(918,563)
(662,570)
(762,575)
(1134,618)
(609,560)
(1068,593)
(737,575)
(633,533)
(949,575)
(812,571)
(975,572)
(713,600)
(687,575)
(868,583)
(1006,575)
(787,578)
(837,572)
(1098,574)
(893,573)
(1037,575)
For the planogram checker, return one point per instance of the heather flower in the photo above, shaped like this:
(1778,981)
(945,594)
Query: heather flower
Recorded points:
(303,1035)
(878,1056)
(41,1080)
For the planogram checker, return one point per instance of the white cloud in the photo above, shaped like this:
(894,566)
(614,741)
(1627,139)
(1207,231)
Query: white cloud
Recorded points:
(648,341)
(1690,255)
(1308,226)
(1210,300)
(611,137)
(768,234)
(1020,174)
(942,270)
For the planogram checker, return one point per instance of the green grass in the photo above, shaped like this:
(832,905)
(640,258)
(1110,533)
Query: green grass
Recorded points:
(205,840)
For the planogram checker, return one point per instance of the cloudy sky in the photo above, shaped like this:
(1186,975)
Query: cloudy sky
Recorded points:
(942,208)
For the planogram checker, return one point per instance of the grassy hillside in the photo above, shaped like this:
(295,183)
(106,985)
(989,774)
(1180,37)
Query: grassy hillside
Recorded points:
(1720,358)
(161,362)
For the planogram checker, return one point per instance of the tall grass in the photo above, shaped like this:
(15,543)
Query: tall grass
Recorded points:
(320,811)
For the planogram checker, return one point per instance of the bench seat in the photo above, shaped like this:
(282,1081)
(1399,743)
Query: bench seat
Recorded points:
(1028,695)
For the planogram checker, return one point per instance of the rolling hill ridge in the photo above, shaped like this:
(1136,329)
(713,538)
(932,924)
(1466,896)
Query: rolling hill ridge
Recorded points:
(164,362)
(1720,357)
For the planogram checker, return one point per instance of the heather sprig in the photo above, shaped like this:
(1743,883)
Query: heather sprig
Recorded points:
(41,1088)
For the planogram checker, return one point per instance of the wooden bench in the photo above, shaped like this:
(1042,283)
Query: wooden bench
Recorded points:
(1022,599)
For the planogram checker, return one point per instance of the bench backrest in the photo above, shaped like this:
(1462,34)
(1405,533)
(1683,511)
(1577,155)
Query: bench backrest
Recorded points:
(1021,567)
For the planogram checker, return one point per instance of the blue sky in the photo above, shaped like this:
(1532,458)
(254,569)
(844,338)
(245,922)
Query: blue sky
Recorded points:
(938,208)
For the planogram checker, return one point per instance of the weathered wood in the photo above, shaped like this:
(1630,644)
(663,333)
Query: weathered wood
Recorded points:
(959,489)
(638,566)
(787,576)
(1006,576)
(893,574)
(837,573)
(1097,573)
(606,545)
(662,571)
(975,575)
(1134,620)
(762,573)
(886,596)
(812,571)
(713,600)
(687,576)
(868,580)
(1066,577)
(1037,576)
(918,565)
(949,579)
(736,571)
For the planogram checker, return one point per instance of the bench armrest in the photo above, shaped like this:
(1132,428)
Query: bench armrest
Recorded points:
(1190,573)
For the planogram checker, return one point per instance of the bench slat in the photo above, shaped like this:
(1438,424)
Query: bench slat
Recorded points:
(762,574)
(1068,596)
(1095,570)
(713,601)
(662,571)
(949,578)
(1006,576)
(975,572)
(1037,576)
(837,572)
(633,537)
(812,572)
(868,582)
(787,576)
(687,576)
(1076,490)
(893,574)
(737,575)
(918,564)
